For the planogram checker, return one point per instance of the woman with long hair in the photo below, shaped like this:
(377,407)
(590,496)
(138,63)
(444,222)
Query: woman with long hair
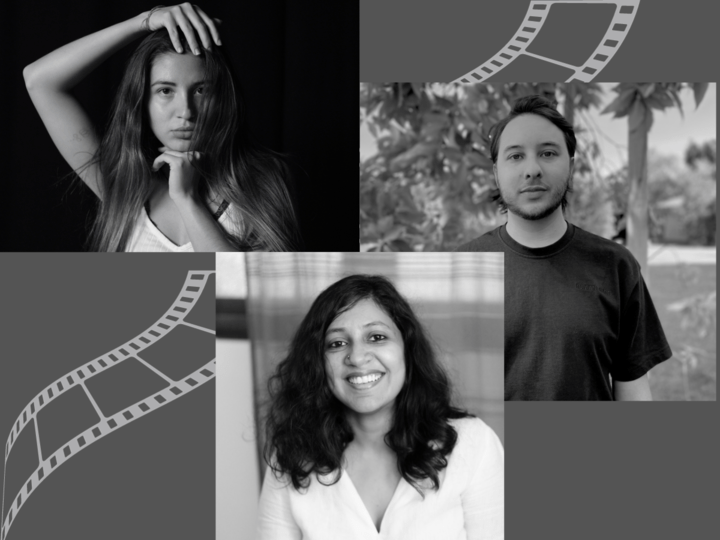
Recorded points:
(362,439)
(174,170)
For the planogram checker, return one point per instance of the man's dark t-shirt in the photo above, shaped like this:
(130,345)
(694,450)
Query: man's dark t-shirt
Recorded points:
(576,313)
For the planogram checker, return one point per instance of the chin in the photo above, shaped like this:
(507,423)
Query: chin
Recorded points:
(533,213)
(538,214)
(180,146)
(367,406)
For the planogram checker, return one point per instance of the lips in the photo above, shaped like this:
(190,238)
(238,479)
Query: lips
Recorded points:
(184,133)
(533,189)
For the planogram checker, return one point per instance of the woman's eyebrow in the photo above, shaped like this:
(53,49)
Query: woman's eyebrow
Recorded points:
(341,330)
(376,323)
(170,83)
(334,331)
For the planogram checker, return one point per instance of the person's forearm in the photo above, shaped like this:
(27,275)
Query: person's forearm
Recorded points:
(204,231)
(65,67)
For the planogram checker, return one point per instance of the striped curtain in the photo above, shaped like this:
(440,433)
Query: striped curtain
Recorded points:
(457,296)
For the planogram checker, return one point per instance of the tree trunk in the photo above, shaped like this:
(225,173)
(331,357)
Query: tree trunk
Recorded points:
(637,204)
(570,103)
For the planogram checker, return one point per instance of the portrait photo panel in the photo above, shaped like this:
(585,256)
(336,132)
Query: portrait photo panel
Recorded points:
(340,339)
(101,146)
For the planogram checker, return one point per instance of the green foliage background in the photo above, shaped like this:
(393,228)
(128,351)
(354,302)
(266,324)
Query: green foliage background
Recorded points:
(430,186)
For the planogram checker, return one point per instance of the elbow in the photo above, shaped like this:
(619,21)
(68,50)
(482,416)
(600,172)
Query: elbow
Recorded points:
(28,76)
(37,78)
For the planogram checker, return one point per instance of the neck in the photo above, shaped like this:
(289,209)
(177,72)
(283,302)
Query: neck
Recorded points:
(537,233)
(370,429)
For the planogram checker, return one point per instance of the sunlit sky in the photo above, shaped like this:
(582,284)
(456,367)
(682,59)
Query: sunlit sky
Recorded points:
(670,133)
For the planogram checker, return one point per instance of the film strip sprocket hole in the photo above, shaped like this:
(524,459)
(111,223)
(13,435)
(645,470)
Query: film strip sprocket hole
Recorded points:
(535,18)
(152,357)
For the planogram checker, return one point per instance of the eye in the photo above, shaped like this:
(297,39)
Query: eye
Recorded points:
(550,152)
(513,157)
(335,344)
(161,91)
(377,337)
(200,90)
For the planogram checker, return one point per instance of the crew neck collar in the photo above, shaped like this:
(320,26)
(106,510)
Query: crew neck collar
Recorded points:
(542,252)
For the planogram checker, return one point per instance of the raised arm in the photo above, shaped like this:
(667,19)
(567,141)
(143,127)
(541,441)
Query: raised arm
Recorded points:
(50,78)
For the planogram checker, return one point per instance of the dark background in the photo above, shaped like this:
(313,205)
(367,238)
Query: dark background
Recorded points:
(297,67)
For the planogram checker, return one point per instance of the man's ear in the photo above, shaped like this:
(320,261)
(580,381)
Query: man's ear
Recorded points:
(497,184)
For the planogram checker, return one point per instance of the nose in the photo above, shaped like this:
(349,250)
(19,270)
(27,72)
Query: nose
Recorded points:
(359,355)
(186,108)
(532,168)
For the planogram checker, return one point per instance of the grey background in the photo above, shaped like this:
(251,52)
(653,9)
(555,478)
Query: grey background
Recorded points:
(595,471)
(195,343)
(584,37)
(21,464)
(121,385)
(433,41)
(154,478)
(421,40)
(69,415)
(579,470)
(528,68)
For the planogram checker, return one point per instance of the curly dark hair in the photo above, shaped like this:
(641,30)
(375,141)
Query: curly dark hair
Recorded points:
(306,426)
(540,106)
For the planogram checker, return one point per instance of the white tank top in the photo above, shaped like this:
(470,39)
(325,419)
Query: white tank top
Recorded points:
(147,237)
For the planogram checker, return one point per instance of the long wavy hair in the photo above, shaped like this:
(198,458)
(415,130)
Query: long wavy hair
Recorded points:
(306,428)
(231,168)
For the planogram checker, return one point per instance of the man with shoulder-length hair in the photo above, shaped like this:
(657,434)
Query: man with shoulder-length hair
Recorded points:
(579,321)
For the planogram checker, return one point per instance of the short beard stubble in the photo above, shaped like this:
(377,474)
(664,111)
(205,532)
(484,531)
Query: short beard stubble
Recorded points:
(552,205)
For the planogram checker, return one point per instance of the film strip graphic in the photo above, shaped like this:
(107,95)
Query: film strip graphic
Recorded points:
(139,354)
(535,18)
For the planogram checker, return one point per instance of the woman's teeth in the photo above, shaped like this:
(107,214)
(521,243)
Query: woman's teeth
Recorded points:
(365,379)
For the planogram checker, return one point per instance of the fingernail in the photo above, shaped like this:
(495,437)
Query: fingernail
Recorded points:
(219,42)
(179,49)
(197,52)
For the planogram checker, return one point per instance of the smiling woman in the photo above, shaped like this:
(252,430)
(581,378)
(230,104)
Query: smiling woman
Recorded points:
(365,351)
(362,437)
(174,170)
